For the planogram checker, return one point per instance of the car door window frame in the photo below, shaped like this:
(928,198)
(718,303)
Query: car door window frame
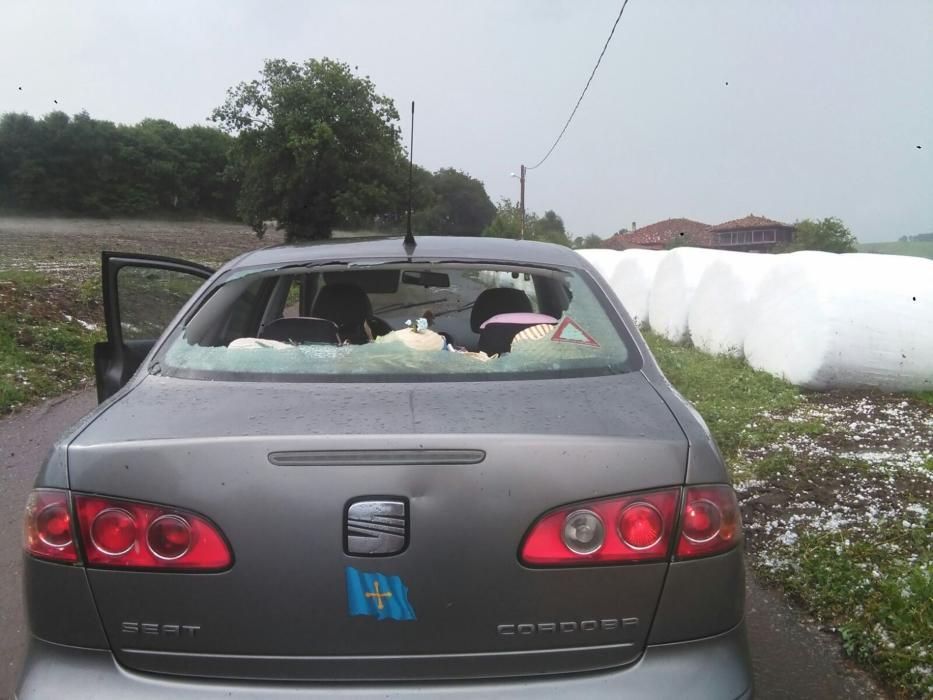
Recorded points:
(112,368)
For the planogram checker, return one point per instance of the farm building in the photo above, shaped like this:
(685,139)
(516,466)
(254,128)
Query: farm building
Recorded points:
(660,235)
(751,233)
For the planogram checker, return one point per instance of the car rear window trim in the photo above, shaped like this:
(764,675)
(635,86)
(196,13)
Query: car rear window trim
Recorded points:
(421,378)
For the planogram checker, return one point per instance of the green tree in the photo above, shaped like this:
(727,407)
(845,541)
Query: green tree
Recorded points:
(79,165)
(21,170)
(550,229)
(507,224)
(681,241)
(591,241)
(201,183)
(459,206)
(829,234)
(395,216)
(316,147)
(507,221)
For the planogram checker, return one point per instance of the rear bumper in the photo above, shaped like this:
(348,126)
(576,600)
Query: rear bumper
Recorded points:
(716,667)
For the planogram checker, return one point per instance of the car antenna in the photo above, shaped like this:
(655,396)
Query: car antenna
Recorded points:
(409,237)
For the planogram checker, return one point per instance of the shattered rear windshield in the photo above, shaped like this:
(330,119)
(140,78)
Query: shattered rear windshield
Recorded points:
(396,322)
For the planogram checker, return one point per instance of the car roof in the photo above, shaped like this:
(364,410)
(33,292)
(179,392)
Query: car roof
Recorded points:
(429,248)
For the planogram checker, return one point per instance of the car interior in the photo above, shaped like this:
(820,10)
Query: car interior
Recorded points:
(467,307)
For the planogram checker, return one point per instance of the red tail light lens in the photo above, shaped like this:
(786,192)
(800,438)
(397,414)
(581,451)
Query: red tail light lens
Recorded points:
(631,528)
(710,523)
(113,532)
(47,527)
(641,526)
(169,537)
(136,535)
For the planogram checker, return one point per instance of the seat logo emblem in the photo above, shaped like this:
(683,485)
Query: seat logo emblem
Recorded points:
(376,528)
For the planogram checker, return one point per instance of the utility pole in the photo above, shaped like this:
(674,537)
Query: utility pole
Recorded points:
(521,204)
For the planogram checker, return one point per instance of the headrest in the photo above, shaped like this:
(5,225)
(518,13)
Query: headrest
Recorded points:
(301,330)
(345,304)
(527,319)
(500,300)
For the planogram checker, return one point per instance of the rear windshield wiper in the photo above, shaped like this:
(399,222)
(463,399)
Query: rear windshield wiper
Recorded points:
(453,311)
(399,307)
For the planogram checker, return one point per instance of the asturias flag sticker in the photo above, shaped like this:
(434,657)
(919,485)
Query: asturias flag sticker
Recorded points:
(383,597)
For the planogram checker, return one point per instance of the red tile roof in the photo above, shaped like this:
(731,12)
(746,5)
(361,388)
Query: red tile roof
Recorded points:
(660,234)
(750,221)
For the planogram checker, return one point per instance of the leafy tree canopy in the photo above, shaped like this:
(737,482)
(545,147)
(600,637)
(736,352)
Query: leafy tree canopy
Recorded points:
(507,221)
(591,241)
(682,241)
(316,147)
(507,224)
(458,206)
(829,234)
(918,237)
(80,165)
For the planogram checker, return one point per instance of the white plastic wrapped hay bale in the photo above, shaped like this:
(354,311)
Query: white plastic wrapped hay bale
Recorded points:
(488,278)
(827,321)
(602,259)
(632,280)
(722,306)
(674,285)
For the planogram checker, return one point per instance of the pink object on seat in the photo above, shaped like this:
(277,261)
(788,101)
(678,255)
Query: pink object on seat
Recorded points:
(529,318)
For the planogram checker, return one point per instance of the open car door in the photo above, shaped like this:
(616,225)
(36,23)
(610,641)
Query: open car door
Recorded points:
(142,294)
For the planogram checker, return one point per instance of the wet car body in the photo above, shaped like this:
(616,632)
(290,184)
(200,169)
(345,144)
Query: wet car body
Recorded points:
(466,470)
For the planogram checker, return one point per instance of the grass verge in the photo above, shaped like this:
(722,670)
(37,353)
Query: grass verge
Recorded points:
(727,392)
(920,249)
(47,335)
(836,491)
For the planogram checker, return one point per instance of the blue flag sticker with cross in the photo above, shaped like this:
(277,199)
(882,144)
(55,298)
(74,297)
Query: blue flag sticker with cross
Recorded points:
(377,595)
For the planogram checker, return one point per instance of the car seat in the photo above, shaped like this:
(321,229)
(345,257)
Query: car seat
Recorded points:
(499,300)
(346,305)
(302,330)
(497,333)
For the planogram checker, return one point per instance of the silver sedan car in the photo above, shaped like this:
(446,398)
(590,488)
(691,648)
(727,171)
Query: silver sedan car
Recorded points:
(362,469)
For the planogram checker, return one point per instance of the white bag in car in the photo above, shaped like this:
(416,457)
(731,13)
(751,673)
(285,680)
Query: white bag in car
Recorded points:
(674,285)
(722,307)
(850,321)
(632,279)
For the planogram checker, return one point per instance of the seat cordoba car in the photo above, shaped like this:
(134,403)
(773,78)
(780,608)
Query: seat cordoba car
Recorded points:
(363,468)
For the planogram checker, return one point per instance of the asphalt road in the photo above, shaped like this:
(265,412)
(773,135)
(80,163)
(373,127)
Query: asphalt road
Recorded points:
(792,658)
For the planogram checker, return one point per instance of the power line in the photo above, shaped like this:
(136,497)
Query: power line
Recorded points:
(585,88)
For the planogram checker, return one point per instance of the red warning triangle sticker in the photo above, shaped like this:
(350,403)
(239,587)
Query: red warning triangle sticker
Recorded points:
(569,331)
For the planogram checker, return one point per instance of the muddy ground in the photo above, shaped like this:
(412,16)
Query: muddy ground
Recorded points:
(72,246)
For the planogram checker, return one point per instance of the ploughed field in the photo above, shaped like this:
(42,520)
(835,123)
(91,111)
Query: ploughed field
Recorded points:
(50,310)
(73,246)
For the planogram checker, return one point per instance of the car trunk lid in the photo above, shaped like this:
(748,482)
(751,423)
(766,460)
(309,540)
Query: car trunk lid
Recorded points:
(278,467)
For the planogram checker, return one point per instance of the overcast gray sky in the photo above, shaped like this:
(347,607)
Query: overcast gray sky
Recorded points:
(825,106)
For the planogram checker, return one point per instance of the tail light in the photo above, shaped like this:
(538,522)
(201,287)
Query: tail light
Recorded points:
(710,523)
(48,530)
(137,535)
(611,530)
(122,534)
(636,528)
